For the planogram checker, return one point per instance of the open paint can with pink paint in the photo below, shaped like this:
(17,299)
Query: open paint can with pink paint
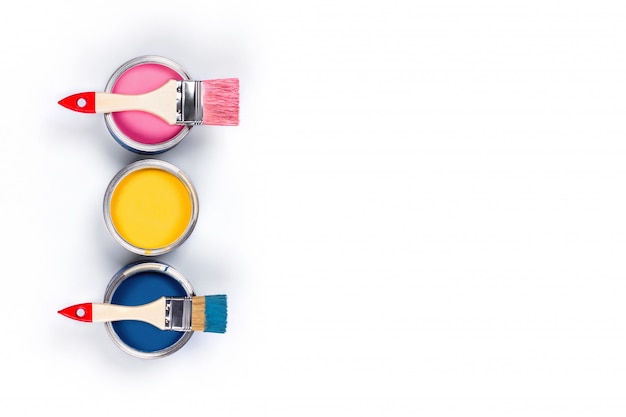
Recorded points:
(139,131)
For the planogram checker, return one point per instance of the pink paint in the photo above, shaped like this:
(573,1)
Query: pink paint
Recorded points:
(140,126)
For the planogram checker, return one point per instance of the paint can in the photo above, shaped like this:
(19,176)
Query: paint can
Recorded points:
(140,283)
(150,207)
(137,131)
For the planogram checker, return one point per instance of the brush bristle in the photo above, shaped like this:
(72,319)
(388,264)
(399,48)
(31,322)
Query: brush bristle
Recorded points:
(209,313)
(220,102)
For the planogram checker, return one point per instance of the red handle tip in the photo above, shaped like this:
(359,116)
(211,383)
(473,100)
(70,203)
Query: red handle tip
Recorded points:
(80,312)
(81,102)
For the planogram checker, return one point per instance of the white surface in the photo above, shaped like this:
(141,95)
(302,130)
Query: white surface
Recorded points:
(422,212)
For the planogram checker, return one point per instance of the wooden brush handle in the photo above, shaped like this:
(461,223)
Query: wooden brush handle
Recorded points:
(160,102)
(153,313)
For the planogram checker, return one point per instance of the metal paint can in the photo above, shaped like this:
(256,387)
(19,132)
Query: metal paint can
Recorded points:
(140,283)
(141,132)
(150,207)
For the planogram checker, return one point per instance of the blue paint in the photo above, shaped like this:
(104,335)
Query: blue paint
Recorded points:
(140,289)
(215,313)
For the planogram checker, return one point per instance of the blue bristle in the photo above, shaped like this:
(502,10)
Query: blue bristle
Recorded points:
(215,313)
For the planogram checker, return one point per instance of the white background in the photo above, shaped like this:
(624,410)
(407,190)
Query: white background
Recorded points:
(421,213)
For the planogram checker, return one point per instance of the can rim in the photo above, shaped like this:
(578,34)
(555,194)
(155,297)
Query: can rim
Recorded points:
(144,164)
(115,131)
(127,272)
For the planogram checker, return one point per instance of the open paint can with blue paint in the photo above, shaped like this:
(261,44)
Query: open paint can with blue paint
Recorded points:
(137,284)
(150,310)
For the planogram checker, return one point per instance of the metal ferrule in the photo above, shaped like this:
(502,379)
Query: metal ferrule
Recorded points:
(189,103)
(178,314)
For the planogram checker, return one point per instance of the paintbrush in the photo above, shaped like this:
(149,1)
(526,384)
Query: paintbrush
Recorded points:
(209,102)
(199,313)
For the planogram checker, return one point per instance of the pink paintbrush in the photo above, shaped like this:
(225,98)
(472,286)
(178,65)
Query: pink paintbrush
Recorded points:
(209,102)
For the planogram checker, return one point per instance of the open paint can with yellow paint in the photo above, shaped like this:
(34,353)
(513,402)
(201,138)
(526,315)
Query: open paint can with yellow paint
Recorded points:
(150,207)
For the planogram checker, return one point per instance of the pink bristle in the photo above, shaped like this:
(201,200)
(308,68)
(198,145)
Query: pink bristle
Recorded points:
(220,102)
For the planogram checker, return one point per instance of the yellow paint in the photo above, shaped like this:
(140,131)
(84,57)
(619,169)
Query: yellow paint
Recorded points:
(151,208)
